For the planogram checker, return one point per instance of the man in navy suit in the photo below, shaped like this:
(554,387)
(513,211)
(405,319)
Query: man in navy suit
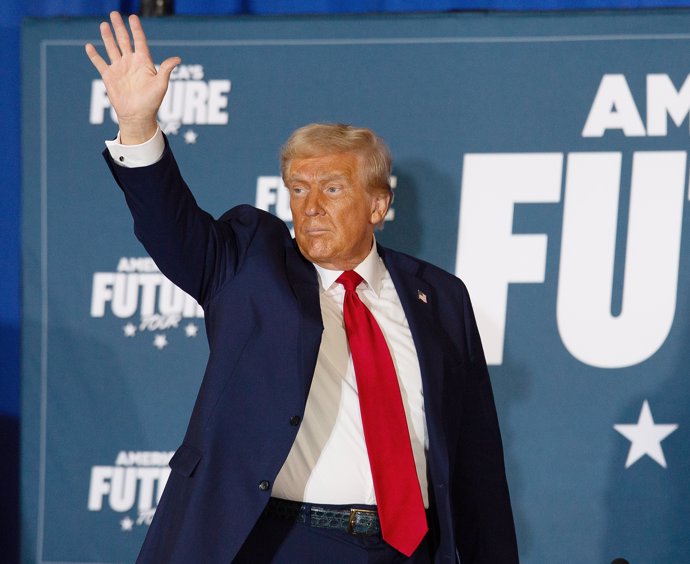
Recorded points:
(275,465)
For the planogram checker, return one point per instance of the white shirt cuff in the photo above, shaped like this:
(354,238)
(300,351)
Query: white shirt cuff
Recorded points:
(133,156)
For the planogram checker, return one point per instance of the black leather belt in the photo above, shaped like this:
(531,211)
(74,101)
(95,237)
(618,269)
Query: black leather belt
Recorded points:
(355,521)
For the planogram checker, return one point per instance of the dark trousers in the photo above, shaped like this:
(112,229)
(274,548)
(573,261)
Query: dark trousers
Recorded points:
(280,541)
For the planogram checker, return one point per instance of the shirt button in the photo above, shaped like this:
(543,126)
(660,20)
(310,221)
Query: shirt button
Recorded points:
(122,159)
(295,420)
(263,485)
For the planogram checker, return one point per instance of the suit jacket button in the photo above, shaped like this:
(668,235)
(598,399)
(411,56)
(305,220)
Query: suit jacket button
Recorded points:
(264,485)
(295,420)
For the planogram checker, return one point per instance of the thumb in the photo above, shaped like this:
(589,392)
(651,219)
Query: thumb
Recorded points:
(167,67)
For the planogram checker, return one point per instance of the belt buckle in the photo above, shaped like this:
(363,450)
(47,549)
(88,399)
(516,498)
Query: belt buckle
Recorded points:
(353,517)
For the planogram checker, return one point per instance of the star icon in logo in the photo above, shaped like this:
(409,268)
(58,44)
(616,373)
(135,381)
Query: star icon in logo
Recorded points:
(190,136)
(126,524)
(130,330)
(191,329)
(160,341)
(170,128)
(645,437)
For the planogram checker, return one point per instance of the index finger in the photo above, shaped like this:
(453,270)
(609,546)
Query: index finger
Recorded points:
(96,59)
(138,35)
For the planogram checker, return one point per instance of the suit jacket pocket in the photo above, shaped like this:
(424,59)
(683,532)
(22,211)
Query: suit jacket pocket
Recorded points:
(185,460)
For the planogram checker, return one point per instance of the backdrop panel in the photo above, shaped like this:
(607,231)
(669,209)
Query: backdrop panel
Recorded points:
(543,159)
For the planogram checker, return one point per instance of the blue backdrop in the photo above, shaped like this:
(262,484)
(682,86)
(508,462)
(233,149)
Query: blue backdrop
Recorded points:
(11,13)
(541,158)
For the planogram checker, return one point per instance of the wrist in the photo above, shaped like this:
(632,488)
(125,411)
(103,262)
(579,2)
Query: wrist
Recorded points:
(136,132)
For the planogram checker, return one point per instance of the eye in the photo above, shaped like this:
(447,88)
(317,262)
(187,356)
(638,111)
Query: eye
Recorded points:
(332,189)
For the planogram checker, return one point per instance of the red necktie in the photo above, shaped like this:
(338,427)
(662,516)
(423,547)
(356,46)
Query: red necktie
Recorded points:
(398,494)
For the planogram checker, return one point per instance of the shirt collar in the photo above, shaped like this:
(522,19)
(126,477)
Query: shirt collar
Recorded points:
(371,269)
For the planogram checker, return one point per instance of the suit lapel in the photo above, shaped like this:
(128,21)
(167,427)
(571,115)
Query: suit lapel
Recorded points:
(418,301)
(305,286)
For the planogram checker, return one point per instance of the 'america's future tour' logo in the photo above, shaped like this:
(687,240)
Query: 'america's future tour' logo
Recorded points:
(145,300)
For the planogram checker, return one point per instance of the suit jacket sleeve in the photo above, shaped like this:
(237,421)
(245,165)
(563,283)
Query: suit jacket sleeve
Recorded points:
(198,253)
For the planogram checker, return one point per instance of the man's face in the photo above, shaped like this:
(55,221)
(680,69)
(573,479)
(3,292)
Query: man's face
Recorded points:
(334,215)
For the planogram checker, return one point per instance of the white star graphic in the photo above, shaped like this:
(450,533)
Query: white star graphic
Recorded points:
(126,524)
(190,136)
(160,341)
(130,330)
(171,128)
(645,437)
(191,330)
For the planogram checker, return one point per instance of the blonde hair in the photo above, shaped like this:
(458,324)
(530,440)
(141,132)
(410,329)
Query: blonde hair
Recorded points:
(319,139)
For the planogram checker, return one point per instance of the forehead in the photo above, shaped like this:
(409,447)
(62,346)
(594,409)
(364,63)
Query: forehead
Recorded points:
(345,165)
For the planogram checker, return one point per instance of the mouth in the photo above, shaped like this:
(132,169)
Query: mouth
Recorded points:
(315,231)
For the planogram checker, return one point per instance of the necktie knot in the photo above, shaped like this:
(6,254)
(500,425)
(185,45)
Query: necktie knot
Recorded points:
(350,280)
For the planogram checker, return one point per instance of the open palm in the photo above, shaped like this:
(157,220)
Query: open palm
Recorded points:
(134,85)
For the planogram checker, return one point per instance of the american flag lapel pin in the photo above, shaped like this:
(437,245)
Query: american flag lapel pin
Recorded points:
(421,296)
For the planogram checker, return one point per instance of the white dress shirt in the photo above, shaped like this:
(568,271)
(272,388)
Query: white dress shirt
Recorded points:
(132,156)
(328,462)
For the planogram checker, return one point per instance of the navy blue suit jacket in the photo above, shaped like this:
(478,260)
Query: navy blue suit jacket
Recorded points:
(263,321)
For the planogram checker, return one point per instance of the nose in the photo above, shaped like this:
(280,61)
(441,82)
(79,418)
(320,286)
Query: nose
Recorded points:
(314,203)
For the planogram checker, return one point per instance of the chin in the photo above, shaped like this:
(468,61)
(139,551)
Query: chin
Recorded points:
(314,255)
(318,258)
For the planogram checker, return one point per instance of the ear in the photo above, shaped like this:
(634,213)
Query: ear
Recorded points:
(380,202)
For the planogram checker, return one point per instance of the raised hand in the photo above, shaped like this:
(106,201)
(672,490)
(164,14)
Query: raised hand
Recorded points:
(135,87)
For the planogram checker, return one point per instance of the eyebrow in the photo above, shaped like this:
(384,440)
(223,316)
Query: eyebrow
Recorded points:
(322,177)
